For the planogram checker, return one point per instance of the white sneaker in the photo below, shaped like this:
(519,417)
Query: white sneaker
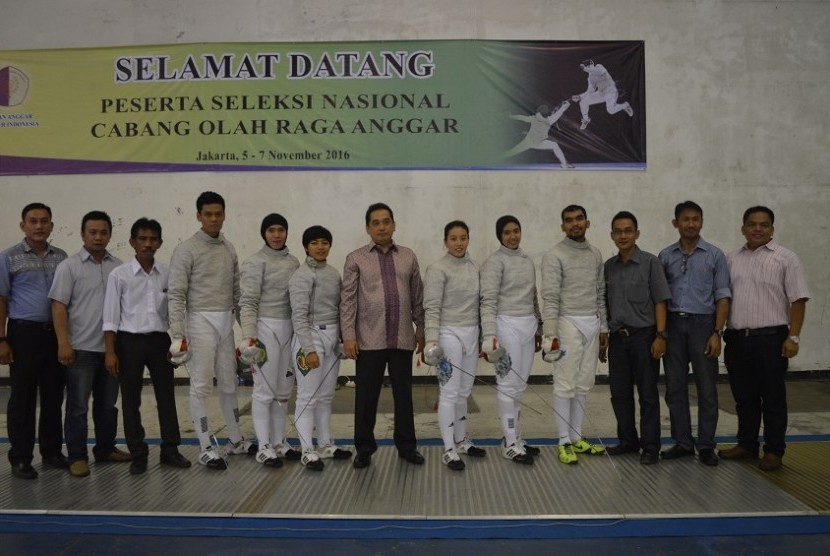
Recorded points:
(585,121)
(515,452)
(451,460)
(467,447)
(331,451)
(210,459)
(238,448)
(268,457)
(312,461)
(285,451)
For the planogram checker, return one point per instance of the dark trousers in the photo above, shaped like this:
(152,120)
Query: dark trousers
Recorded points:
(631,365)
(369,371)
(686,345)
(757,378)
(135,351)
(35,368)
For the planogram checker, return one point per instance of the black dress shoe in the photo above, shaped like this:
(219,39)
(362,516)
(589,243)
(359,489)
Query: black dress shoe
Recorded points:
(362,460)
(707,456)
(649,458)
(24,470)
(621,449)
(138,466)
(58,461)
(175,459)
(412,456)
(677,451)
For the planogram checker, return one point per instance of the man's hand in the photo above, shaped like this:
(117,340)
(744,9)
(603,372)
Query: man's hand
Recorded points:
(603,347)
(658,347)
(312,360)
(350,349)
(111,363)
(6,355)
(537,343)
(789,349)
(66,354)
(713,346)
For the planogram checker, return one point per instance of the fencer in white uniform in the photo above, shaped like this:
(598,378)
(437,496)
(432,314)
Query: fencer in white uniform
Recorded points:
(538,136)
(451,306)
(203,292)
(510,320)
(266,316)
(601,89)
(315,311)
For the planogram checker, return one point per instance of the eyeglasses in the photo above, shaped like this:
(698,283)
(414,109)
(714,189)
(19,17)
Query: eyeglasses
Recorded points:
(683,264)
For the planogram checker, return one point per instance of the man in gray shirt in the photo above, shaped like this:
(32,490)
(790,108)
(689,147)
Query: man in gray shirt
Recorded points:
(77,296)
(636,290)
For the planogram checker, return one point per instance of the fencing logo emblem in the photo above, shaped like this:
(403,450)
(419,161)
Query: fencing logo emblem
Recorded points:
(14,85)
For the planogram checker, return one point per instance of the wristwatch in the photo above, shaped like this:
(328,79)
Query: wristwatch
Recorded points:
(662,334)
(718,332)
(794,339)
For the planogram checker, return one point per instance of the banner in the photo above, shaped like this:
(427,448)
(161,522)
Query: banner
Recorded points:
(463,104)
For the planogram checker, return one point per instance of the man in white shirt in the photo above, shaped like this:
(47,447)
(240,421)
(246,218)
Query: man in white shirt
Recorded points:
(135,336)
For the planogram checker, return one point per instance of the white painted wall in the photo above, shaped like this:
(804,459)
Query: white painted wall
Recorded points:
(738,114)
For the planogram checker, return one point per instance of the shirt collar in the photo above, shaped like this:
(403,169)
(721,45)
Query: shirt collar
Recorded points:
(85,255)
(375,247)
(770,246)
(135,266)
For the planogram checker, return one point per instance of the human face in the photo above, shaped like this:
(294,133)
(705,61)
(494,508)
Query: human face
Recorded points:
(689,224)
(146,243)
(381,227)
(275,236)
(624,234)
(212,216)
(37,226)
(318,249)
(457,241)
(757,229)
(574,224)
(96,236)
(511,236)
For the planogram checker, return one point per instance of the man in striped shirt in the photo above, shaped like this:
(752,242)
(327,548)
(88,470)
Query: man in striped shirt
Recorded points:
(769,297)
(381,299)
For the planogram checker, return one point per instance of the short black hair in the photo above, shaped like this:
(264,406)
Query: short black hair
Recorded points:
(686,205)
(622,215)
(209,198)
(96,215)
(34,206)
(316,232)
(378,206)
(759,208)
(574,208)
(455,224)
(144,223)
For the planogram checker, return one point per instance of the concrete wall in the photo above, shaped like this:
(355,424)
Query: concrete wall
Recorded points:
(737,115)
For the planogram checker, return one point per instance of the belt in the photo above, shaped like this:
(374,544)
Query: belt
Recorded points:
(47,326)
(766,331)
(628,332)
(684,315)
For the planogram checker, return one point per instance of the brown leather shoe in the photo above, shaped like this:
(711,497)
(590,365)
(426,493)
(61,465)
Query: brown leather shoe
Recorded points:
(737,452)
(79,468)
(116,456)
(770,462)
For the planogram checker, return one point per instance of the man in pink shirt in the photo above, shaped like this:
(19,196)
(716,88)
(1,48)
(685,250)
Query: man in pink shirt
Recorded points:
(769,297)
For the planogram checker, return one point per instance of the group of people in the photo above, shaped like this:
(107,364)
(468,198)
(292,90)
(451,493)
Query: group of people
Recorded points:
(89,324)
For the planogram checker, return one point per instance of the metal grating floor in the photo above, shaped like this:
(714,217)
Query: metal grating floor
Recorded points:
(490,488)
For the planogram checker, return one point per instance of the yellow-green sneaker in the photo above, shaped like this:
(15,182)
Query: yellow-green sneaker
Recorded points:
(585,447)
(567,455)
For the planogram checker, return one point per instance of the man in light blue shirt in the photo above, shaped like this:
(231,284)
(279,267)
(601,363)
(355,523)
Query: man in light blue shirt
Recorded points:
(699,281)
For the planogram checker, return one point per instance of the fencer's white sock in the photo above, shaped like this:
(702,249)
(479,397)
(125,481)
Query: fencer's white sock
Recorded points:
(261,416)
(305,430)
(198,416)
(577,415)
(279,415)
(230,409)
(446,421)
(562,412)
(322,420)
(517,411)
(507,419)
(460,421)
